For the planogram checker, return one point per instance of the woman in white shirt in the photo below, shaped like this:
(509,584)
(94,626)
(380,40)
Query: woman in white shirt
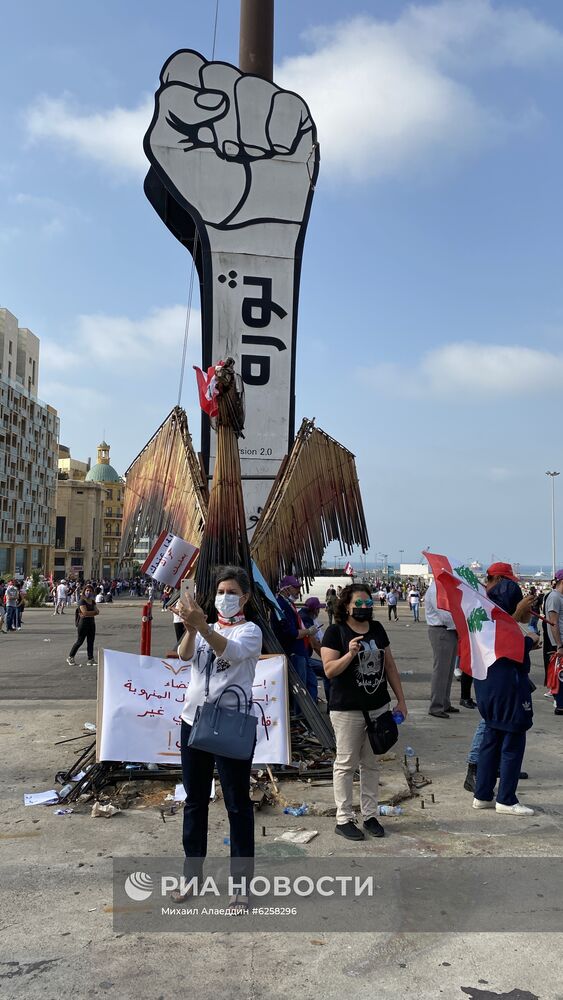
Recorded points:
(237,644)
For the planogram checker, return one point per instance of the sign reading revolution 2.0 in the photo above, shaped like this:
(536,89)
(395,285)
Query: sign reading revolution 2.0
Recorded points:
(234,160)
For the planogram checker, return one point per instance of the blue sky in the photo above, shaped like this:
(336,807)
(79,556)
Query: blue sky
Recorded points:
(431,306)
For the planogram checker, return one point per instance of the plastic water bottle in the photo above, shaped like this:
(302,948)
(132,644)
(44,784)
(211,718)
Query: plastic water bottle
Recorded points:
(302,810)
(410,755)
(398,717)
(227,841)
(390,811)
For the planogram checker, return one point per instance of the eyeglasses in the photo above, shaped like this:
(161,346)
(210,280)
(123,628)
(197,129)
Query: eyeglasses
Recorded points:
(365,604)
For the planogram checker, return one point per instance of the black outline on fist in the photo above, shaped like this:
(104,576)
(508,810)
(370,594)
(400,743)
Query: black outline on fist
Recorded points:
(257,153)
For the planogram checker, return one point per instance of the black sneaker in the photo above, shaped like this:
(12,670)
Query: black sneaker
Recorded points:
(374,828)
(349,830)
(470,778)
(467,703)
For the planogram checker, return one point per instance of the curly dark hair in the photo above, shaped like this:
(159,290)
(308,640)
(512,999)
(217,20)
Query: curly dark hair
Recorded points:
(341,609)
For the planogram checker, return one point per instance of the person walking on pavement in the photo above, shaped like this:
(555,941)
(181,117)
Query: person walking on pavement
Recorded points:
(11,604)
(414,603)
(392,604)
(443,639)
(61,595)
(86,624)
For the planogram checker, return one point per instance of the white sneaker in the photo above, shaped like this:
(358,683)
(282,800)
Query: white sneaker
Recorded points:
(71,660)
(483,804)
(516,810)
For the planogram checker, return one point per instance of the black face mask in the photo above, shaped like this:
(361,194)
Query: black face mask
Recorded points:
(362,614)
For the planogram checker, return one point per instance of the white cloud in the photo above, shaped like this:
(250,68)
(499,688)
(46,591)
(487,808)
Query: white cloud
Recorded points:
(101,342)
(385,94)
(49,217)
(466,371)
(112,138)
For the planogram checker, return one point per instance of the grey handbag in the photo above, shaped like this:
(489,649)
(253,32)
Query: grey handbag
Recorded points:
(224,732)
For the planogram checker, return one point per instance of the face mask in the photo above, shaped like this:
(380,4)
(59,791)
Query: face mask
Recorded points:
(228,605)
(362,614)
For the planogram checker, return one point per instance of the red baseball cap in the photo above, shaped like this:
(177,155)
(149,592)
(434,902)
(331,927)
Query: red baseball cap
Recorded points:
(502,569)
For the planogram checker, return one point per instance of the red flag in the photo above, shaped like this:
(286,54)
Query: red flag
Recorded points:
(208,390)
(349,569)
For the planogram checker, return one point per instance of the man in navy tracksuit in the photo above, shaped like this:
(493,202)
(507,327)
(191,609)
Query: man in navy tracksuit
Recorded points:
(504,698)
(291,634)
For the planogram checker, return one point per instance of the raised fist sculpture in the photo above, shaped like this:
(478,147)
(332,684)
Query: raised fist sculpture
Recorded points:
(232,148)
(236,158)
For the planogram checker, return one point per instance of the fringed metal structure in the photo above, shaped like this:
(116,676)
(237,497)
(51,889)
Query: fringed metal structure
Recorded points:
(315,500)
(165,489)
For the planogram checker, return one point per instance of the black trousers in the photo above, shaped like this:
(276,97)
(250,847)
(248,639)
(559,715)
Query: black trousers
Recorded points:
(392,609)
(466,682)
(234,775)
(86,631)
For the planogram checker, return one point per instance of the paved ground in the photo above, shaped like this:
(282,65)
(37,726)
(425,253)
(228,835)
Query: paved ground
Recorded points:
(55,904)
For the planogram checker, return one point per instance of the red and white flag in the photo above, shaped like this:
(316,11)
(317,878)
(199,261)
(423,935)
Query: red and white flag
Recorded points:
(208,390)
(485,631)
(349,569)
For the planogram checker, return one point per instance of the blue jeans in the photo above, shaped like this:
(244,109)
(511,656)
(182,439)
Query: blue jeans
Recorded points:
(415,608)
(11,618)
(307,675)
(504,751)
(473,755)
(318,669)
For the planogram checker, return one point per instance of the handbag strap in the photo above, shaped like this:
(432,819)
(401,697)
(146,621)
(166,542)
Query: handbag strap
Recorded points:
(208,671)
(235,688)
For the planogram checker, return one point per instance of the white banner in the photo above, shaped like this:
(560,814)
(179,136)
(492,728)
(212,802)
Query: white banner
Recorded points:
(169,559)
(140,700)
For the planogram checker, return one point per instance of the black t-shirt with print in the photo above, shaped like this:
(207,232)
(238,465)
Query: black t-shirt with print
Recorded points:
(363,685)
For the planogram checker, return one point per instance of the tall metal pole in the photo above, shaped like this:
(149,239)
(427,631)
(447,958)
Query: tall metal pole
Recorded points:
(552,475)
(256,47)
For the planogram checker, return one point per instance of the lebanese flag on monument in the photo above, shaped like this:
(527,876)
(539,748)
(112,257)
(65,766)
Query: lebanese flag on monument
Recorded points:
(485,631)
(349,569)
(208,390)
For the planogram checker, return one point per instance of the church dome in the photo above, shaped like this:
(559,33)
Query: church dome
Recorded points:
(103,472)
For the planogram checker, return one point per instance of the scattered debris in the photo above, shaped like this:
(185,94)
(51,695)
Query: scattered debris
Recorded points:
(41,798)
(63,812)
(90,727)
(302,810)
(106,811)
(298,836)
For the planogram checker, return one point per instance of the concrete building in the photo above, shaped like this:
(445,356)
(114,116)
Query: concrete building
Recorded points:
(89,517)
(29,432)
(114,488)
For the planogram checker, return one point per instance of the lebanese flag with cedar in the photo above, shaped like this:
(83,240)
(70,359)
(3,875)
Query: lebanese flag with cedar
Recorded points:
(349,569)
(485,632)
(208,390)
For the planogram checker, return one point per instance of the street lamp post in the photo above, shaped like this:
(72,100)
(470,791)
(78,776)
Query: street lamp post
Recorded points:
(552,476)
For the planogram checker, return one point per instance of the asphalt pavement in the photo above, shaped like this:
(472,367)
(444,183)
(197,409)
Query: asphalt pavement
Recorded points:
(56,932)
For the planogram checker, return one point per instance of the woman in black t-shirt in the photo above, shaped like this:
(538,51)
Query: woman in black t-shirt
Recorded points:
(358,661)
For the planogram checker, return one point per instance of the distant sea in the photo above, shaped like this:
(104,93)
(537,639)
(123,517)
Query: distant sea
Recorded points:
(522,569)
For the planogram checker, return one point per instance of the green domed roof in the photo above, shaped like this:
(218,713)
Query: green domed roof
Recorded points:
(102,473)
